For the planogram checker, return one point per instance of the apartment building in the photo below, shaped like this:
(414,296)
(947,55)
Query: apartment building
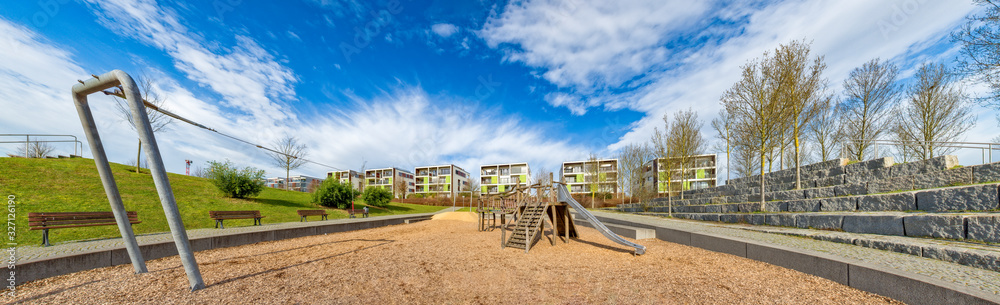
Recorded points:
(389,178)
(441,180)
(350,177)
(499,178)
(301,183)
(584,177)
(698,175)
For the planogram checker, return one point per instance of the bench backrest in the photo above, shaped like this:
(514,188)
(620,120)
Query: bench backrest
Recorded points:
(311,212)
(69,219)
(223,214)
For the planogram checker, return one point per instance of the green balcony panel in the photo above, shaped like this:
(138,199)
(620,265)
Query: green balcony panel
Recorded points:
(493,180)
(484,189)
(700,174)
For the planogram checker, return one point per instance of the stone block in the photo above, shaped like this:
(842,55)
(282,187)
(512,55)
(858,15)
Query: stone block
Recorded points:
(730,208)
(893,184)
(874,224)
(940,226)
(898,247)
(755,219)
(869,165)
(951,177)
(836,204)
(967,198)
(710,217)
(775,206)
(986,173)
(924,166)
(748,207)
(785,195)
(850,189)
(983,259)
(784,220)
(942,253)
(830,180)
(888,202)
(731,218)
(821,222)
(820,192)
(984,228)
(714,208)
(806,205)
(866,176)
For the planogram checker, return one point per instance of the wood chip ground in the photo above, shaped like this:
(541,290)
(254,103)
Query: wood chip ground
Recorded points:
(446,261)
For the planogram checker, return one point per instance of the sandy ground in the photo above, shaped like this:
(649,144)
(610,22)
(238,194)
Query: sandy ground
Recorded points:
(446,261)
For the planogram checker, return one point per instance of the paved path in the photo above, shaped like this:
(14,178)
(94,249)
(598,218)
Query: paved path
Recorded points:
(32,253)
(976,278)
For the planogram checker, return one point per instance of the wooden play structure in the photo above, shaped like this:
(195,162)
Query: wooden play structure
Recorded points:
(533,209)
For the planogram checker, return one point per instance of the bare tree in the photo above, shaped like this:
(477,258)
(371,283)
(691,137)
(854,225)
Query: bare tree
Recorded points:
(542,178)
(937,110)
(631,160)
(288,154)
(664,153)
(685,136)
(980,53)
(871,94)
(399,187)
(723,127)
(825,130)
(746,161)
(34,149)
(801,87)
(757,112)
(157,120)
(592,169)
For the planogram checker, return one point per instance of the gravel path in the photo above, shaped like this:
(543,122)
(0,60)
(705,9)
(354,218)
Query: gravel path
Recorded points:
(445,261)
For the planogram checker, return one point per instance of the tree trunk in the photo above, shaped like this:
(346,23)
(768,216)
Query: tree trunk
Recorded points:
(798,171)
(138,157)
(762,180)
(286,178)
(670,203)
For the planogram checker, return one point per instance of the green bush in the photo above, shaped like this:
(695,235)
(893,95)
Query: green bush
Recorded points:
(334,194)
(234,182)
(377,196)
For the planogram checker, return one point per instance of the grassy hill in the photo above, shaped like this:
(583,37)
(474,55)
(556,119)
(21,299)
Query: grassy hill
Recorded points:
(73,185)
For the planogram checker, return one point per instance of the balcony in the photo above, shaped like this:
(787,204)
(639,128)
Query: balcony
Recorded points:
(491,172)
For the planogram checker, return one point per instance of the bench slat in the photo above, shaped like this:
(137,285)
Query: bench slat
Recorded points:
(75,213)
(69,222)
(76,226)
(311,212)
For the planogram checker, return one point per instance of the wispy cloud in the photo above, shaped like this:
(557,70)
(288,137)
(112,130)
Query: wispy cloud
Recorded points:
(444,29)
(246,75)
(590,44)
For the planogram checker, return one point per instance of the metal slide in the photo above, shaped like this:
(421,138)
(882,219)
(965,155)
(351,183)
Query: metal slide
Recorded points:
(563,196)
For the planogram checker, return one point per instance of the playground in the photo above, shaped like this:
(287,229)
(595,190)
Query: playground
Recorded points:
(447,260)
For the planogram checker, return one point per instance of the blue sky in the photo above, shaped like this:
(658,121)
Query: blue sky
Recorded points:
(412,83)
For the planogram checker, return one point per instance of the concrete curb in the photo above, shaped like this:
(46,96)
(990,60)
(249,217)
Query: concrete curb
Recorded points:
(75,262)
(907,287)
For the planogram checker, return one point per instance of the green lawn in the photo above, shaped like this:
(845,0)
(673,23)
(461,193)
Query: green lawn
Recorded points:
(73,185)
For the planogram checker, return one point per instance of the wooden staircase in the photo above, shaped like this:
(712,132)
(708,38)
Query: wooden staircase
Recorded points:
(528,229)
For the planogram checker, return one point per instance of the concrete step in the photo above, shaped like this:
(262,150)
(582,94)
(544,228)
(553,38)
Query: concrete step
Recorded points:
(622,230)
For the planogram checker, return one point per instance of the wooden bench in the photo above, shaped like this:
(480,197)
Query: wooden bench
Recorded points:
(352,212)
(219,216)
(304,213)
(58,220)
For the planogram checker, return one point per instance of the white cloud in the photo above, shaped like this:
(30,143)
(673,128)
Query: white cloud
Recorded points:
(586,48)
(248,76)
(294,36)
(444,29)
(590,44)
(571,102)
